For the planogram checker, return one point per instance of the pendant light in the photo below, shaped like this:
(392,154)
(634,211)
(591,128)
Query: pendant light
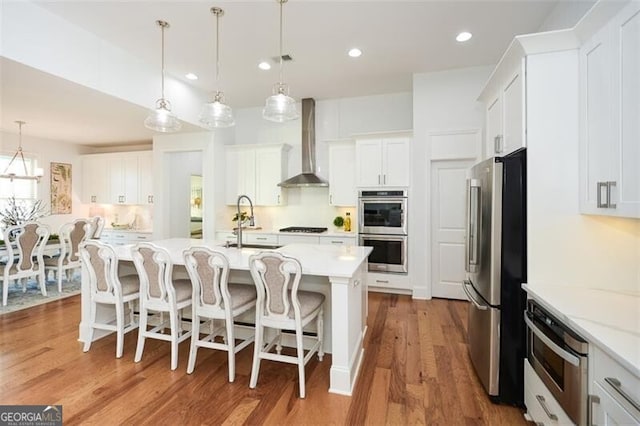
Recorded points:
(11,174)
(216,114)
(280,106)
(161,119)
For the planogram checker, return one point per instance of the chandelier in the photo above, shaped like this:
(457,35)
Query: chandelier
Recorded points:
(19,154)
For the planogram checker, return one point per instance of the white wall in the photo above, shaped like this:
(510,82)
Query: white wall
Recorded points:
(47,151)
(209,146)
(182,165)
(566,14)
(442,101)
(565,247)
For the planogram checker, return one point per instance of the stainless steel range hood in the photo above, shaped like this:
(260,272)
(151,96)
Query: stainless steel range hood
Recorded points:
(308,176)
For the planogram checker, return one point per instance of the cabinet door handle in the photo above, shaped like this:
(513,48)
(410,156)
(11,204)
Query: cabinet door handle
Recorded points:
(543,404)
(378,179)
(384,179)
(93,198)
(617,386)
(592,399)
(600,186)
(278,199)
(610,203)
(330,199)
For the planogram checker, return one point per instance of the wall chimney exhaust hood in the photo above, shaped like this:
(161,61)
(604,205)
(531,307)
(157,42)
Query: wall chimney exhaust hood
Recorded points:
(308,176)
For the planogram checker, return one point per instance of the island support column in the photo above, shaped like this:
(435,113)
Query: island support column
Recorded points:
(347,329)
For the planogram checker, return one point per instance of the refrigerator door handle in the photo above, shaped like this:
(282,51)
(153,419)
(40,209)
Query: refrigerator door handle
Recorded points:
(472,299)
(472,241)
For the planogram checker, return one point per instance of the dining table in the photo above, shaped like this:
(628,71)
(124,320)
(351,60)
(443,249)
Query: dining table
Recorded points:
(339,272)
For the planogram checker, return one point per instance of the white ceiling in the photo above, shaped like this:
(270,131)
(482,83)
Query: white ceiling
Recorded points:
(398,39)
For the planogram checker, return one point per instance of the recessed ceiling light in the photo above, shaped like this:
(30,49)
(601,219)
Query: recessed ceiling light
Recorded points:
(191,76)
(464,36)
(264,66)
(355,52)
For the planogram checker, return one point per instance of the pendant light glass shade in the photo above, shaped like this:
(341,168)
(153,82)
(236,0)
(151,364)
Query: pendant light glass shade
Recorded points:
(216,114)
(161,119)
(280,107)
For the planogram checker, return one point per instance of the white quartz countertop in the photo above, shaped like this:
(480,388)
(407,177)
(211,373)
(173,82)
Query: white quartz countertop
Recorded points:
(316,259)
(607,319)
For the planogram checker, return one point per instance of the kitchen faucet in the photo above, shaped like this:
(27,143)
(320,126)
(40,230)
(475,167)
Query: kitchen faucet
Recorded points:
(251,222)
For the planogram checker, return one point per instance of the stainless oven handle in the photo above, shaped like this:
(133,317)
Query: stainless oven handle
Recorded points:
(471,298)
(615,384)
(543,404)
(569,357)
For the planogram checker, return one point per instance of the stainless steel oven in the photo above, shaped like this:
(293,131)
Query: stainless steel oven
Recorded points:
(383,212)
(389,252)
(559,357)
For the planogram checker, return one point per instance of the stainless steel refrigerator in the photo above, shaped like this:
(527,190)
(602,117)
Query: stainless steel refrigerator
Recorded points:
(496,266)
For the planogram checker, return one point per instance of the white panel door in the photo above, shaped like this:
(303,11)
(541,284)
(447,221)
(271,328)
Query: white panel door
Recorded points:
(494,127)
(369,163)
(342,175)
(448,186)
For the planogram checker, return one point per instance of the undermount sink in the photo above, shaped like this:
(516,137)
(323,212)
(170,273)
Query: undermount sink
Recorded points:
(253,246)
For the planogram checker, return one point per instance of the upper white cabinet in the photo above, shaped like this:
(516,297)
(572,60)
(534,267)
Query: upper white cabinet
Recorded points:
(342,173)
(382,162)
(610,117)
(505,118)
(118,178)
(95,187)
(122,174)
(145,178)
(256,171)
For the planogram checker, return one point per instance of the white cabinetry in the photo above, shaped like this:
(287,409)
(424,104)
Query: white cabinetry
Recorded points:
(615,392)
(338,241)
(256,171)
(342,174)
(118,178)
(145,178)
(123,179)
(610,117)
(118,238)
(541,405)
(382,162)
(94,180)
(505,112)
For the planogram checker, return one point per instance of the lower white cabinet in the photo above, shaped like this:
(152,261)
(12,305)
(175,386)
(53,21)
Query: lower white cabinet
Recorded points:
(283,240)
(119,238)
(266,239)
(542,407)
(388,283)
(615,392)
(338,241)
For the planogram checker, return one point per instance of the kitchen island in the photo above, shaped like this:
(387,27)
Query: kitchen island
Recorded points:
(339,272)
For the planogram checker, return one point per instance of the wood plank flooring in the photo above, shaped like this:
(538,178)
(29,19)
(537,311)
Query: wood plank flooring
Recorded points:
(416,370)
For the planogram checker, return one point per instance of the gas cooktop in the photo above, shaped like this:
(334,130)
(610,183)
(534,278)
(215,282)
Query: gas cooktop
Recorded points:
(303,229)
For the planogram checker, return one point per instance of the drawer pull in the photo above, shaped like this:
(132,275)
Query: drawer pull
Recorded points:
(140,237)
(617,386)
(543,404)
(337,242)
(261,238)
(382,281)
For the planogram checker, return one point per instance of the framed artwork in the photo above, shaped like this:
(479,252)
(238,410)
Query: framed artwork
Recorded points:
(60,188)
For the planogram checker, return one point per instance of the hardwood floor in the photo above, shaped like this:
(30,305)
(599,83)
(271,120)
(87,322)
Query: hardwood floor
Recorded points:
(416,370)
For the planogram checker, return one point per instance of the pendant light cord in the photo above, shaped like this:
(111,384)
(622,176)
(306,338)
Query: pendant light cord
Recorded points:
(281,2)
(162,25)
(218,52)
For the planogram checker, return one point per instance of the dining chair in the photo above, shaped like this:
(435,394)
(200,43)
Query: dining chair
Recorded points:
(282,306)
(98,226)
(71,235)
(215,299)
(106,287)
(159,292)
(25,246)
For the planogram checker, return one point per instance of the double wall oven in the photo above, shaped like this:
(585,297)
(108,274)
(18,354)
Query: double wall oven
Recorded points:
(382,224)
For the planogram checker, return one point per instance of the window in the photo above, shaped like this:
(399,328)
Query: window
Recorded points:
(21,189)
